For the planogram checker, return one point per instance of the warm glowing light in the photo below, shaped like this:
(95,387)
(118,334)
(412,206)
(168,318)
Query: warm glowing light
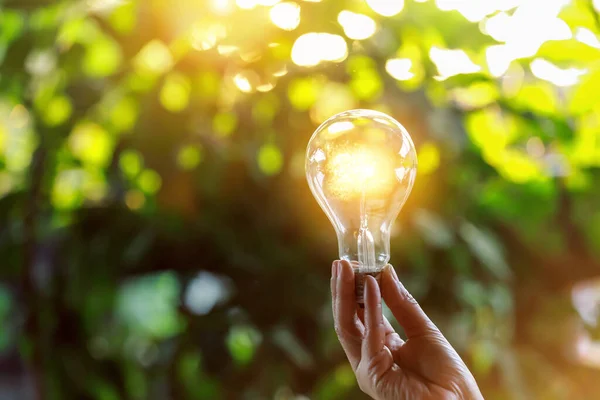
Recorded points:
(285,15)
(518,34)
(498,59)
(452,62)
(221,6)
(588,37)
(242,82)
(265,87)
(250,4)
(339,127)
(279,72)
(154,57)
(549,72)
(104,5)
(476,10)
(204,37)
(387,8)
(399,68)
(226,50)
(356,26)
(246,4)
(313,48)
(358,172)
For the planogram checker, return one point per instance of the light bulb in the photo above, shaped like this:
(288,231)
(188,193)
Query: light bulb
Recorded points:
(361,166)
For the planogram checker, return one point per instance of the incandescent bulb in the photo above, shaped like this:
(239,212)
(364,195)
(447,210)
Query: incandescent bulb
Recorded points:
(361,166)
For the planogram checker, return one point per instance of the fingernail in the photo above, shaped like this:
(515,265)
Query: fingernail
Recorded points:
(394,275)
(334,268)
(346,272)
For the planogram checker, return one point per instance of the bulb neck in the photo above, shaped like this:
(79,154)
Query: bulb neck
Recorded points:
(367,250)
(359,284)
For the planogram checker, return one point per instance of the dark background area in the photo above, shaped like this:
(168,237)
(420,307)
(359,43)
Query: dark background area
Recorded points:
(158,239)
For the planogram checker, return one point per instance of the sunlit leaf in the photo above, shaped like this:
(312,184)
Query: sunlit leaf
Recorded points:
(303,92)
(208,84)
(265,109)
(67,189)
(539,97)
(124,17)
(149,305)
(154,58)
(12,23)
(78,30)
(429,158)
(90,143)
(581,100)
(175,92)
(224,123)
(149,181)
(366,84)
(102,57)
(131,163)
(270,159)
(124,114)
(58,111)
(242,342)
(189,157)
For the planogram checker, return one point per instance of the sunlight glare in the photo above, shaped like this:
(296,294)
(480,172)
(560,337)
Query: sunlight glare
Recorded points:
(242,81)
(399,68)
(313,48)
(547,71)
(356,26)
(205,37)
(387,8)
(523,32)
(452,62)
(476,10)
(221,6)
(246,4)
(588,37)
(285,15)
(498,59)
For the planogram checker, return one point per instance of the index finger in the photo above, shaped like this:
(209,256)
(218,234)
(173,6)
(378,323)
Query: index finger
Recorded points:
(348,327)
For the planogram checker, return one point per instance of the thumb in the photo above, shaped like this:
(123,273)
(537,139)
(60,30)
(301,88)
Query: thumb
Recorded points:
(404,307)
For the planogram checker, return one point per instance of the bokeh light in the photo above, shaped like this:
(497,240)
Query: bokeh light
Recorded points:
(356,26)
(313,48)
(286,15)
(387,8)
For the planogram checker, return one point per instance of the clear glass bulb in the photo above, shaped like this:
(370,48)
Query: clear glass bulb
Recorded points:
(361,166)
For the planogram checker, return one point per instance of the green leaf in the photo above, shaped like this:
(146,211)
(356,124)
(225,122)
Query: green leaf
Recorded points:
(584,98)
(102,58)
(270,159)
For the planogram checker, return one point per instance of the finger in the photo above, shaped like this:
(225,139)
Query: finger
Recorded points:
(393,341)
(404,307)
(347,325)
(376,357)
(333,281)
(375,331)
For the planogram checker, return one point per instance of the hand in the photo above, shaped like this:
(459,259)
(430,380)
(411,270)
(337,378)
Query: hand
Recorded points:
(425,366)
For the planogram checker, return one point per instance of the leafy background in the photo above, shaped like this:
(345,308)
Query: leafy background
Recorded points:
(159,241)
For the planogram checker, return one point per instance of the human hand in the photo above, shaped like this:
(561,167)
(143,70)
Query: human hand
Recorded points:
(425,366)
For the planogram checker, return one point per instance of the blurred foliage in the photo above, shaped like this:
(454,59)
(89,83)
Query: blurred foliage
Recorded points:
(159,239)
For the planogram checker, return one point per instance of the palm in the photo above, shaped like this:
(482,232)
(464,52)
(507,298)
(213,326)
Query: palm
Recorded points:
(424,367)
